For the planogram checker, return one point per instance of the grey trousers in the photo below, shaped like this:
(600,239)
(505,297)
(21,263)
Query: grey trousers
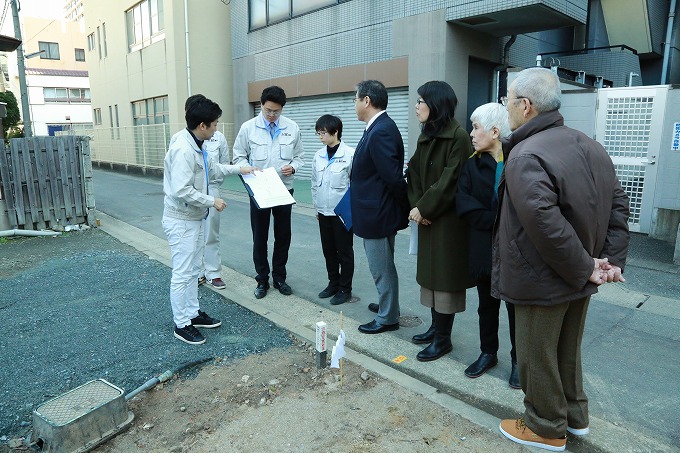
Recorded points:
(548,342)
(380,256)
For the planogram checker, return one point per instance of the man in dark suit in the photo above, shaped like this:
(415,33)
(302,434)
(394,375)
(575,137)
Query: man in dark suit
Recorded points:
(378,199)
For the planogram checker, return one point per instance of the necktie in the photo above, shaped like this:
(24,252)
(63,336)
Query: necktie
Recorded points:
(272,126)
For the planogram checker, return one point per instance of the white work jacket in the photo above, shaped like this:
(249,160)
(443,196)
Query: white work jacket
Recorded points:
(218,151)
(184,178)
(330,178)
(254,146)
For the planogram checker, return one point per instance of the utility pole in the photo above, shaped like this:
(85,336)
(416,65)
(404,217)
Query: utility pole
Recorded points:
(28,132)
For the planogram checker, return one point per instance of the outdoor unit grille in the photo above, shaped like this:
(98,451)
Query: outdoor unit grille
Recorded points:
(627,132)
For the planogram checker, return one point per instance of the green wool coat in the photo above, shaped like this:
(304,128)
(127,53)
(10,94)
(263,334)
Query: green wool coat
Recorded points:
(433,173)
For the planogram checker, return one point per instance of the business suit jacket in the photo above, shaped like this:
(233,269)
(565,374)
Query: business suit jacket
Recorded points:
(377,185)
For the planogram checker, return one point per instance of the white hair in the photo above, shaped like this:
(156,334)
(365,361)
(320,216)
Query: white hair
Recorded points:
(541,86)
(492,115)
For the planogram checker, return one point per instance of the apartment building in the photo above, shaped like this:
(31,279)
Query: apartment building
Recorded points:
(56,74)
(145,58)
(318,49)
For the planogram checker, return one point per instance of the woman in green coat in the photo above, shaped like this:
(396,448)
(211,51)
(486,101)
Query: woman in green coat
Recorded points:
(433,171)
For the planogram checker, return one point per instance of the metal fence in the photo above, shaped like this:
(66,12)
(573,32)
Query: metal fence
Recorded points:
(141,147)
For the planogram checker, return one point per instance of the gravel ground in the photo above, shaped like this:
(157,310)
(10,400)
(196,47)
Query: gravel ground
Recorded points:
(82,306)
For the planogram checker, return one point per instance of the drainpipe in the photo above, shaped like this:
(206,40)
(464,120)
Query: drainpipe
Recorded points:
(186,40)
(667,43)
(504,64)
(16,232)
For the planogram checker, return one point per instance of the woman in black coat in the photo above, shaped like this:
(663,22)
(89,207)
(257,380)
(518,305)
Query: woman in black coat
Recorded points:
(476,204)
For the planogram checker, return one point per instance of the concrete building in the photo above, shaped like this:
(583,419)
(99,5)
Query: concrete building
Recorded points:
(321,48)
(145,58)
(317,50)
(57,83)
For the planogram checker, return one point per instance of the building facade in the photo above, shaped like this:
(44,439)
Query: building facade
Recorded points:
(318,49)
(145,58)
(56,74)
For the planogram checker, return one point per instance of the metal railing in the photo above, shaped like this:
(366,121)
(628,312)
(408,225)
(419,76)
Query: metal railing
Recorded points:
(136,146)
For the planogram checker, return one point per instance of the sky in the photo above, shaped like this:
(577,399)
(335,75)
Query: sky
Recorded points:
(51,9)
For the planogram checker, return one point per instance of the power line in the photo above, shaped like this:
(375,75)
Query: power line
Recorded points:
(4,13)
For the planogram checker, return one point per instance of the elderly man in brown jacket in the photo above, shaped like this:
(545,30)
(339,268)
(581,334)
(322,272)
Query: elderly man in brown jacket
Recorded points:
(562,231)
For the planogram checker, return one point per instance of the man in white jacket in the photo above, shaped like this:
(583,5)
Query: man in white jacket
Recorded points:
(186,174)
(218,151)
(271,140)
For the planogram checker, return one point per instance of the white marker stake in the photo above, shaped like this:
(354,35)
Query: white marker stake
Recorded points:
(321,352)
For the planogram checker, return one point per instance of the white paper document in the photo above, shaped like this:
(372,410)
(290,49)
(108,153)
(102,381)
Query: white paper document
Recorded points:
(267,189)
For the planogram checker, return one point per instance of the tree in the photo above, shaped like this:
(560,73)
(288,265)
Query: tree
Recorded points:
(13,114)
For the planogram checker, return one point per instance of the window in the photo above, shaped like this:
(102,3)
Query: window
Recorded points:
(51,50)
(116,130)
(90,41)
(97,117)
(145,22)
(80,54)
(67,95)
(99,43)
(266,12)
(150,111)
(106,51)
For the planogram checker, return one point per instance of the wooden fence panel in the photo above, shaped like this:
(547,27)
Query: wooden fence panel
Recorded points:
(47,182)
(57,199)
(7,186)
(16,178)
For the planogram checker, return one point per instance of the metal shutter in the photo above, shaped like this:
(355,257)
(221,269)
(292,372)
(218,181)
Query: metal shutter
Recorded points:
(305,112)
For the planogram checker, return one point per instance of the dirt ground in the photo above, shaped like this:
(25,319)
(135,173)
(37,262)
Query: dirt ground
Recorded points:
(280,402)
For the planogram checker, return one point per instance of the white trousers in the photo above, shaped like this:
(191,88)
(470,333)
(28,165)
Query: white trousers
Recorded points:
(185,238)
(212,260)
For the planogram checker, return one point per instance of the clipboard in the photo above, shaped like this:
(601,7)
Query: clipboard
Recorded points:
(344,210)
(266,189)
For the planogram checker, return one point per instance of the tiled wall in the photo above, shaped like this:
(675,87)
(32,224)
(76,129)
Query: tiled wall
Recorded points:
(355,32)
(658,20)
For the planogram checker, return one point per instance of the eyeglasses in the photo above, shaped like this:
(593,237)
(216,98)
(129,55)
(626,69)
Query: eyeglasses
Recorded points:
(505,100)
(359,99)
(321,133)
(272,112)
(420,101)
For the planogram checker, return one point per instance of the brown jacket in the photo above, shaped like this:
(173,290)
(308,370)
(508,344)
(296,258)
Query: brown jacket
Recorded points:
(561,205)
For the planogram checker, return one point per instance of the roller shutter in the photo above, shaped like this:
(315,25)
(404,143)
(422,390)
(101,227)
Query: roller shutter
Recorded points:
(305,111)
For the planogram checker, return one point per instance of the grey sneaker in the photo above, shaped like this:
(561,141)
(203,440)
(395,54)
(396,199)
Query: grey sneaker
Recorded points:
(189,334)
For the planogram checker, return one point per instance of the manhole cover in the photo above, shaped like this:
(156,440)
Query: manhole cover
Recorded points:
(410,321)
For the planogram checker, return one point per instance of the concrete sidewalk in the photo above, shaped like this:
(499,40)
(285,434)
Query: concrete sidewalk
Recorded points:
(630,346)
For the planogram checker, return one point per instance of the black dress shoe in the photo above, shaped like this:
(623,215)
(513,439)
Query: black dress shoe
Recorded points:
(483,364)
(261,290)
(375,327)
(373,307)
(283,288)
(341,297)
(514,377)
(328,292)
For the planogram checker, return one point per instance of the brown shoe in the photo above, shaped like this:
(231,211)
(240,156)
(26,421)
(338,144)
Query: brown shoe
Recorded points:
(518,431)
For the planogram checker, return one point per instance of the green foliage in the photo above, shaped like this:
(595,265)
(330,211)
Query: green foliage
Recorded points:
(13,113)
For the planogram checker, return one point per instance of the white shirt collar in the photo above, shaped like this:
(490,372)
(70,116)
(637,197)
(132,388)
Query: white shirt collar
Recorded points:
(374,118)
